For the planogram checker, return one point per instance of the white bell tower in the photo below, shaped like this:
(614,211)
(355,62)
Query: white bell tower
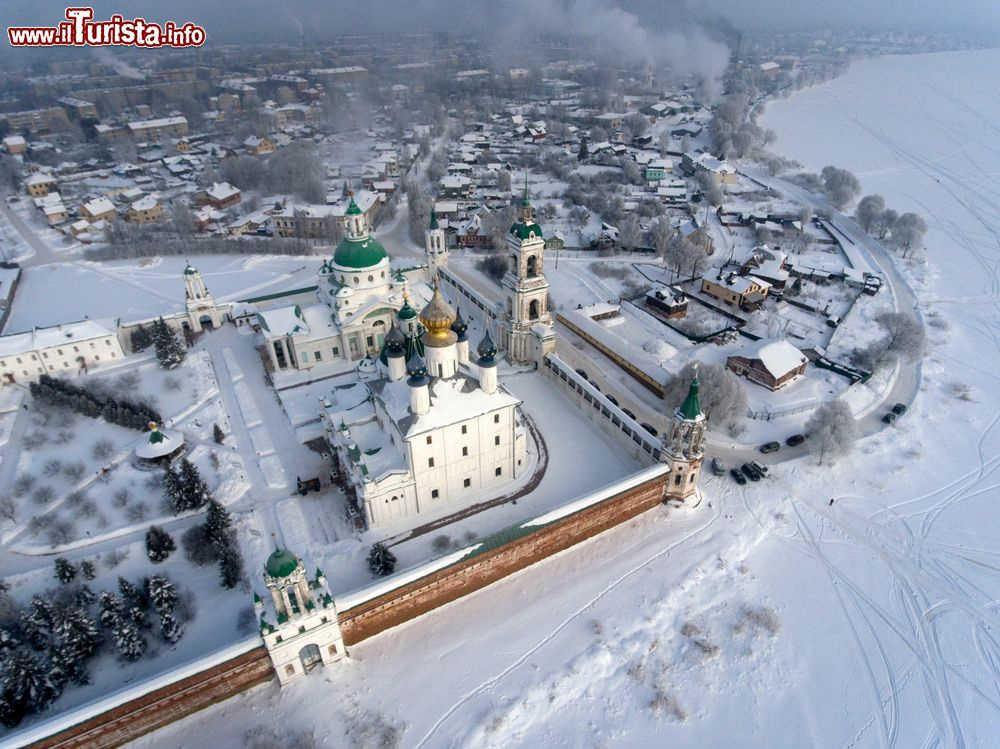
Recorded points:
(201,309)
(436,247)
(529,325)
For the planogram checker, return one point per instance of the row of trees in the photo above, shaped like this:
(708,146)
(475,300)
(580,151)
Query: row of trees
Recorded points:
(61,393)
(49,644)
(905,232)
(838,185)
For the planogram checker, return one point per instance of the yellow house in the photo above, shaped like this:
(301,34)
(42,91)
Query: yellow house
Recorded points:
(259,146)
(146,210)
(736,290)
(38,184)
(97,209)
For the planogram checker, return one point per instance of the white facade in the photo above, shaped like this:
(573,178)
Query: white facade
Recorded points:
(298,618)
(529,330)
(429,439)
(74,348)
(201,308)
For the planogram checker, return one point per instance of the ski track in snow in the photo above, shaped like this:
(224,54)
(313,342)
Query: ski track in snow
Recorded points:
(492,682)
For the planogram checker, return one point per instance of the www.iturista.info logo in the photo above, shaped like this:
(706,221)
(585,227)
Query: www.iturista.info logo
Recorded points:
(80,30)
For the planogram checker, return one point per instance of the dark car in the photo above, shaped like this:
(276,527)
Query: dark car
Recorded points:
(899,409)
(795,440)
(750,472)
(649,428)
(582,374)
(628,413)
(595,386)
(770,447)
(889,417)
(612,399)
(738,477)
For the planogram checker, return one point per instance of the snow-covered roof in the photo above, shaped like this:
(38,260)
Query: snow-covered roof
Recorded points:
(158,443)
(222,191)
(778,357)
(97,206)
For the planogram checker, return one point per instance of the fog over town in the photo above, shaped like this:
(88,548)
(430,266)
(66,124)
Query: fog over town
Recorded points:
(489,374)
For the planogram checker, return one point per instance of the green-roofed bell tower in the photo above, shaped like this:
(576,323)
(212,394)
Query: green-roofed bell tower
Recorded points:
(683,445)
(436,247)
(526,290)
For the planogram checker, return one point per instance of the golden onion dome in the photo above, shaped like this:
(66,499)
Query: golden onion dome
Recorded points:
(437,318)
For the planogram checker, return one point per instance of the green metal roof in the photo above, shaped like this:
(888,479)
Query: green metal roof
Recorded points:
(406,312)
(359,253)
(352,209)
(189,271)
(434,220)
(281,563)
(278,295)
(690,409)
(524,231)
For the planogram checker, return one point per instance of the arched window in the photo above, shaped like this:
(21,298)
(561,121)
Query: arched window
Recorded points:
(532,266)
(533,310)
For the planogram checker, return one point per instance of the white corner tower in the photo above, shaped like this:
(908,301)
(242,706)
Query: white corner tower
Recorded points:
(683,446)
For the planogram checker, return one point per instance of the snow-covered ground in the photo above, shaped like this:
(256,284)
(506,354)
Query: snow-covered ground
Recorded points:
(765,616)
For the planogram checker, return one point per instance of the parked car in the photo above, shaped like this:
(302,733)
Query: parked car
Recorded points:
(750,472)
(628,413)
(770,447)
(718,468)
(738,477)
(649,428)
(582,374)
(889,417)
(611,399)
(795,440)
(899,409)
(595,386)
(761,468)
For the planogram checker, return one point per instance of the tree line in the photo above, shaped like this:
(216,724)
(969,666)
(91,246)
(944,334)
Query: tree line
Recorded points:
(126,413)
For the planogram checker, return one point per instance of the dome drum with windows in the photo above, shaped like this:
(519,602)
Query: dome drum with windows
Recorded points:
(358,249)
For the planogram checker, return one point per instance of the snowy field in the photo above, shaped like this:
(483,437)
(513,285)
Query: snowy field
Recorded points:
(765,616)
(139,289)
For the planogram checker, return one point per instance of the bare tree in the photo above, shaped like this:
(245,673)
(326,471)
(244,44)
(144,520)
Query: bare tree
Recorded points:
(908,232)
(629,232)
(841,186)
(832,431)
(882,224)
(722,396)
(868,210)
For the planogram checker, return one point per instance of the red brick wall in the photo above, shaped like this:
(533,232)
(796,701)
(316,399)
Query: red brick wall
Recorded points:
(165,705)
(446,585)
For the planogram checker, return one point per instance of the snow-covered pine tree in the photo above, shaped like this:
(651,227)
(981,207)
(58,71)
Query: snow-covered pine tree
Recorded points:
(75,639)
(141,339)
(171,629)
(218,526)
(26,685)
(129,642)
(381,561)
(159,544)
(170,352)
(162,594)
(135,601)
(174,489)
(217,434)
(65,571)
(112,609)
(88,570)
(196,491)
(37,621)
(231,565)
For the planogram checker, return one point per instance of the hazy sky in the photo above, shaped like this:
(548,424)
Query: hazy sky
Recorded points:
(273,17)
